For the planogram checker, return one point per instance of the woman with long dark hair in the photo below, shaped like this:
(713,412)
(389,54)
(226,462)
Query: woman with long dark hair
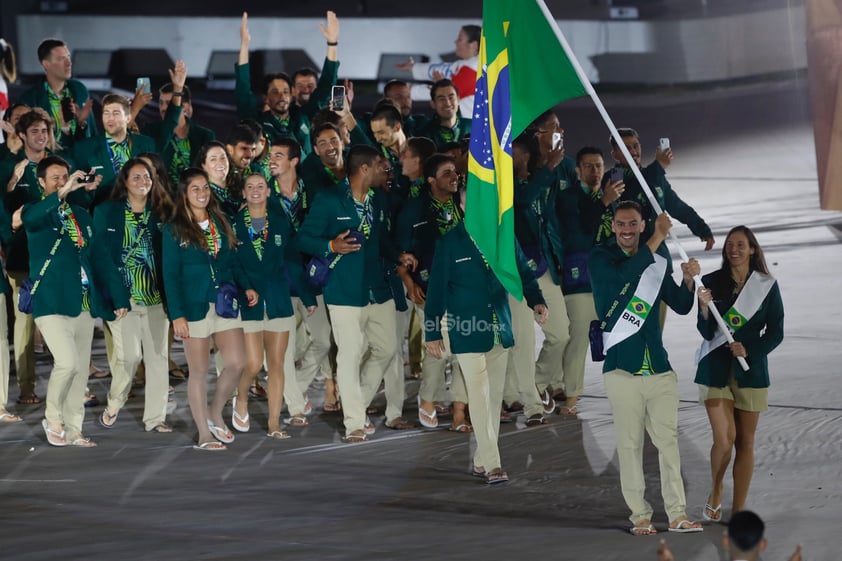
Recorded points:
(749,300)
(199,249)
(213,159)
(127,242)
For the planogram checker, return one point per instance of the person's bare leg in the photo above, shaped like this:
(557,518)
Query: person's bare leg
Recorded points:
(254,362)
(276,348)
(746,423)
(459,414)
(232,346)
(197,353)
(721,415)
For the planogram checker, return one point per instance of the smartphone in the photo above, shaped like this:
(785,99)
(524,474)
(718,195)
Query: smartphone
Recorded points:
(67,109)
(89,177)
(337,96)
(664,144)
(556,140)
(145,84)
(616,175)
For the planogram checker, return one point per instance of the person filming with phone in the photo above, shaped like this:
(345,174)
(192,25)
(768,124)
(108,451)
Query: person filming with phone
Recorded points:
(655,176)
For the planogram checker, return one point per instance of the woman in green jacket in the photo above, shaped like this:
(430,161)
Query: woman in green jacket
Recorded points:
(269,325)
(213,159)
(748,298)
(65,300)
(199,249)
(127,241)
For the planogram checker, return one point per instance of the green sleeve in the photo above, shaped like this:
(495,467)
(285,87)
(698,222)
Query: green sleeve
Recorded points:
(246,100)
(531,290)
(773,335)
(173,274)
(436,302)
(35,216)
(312,237)
(321,95)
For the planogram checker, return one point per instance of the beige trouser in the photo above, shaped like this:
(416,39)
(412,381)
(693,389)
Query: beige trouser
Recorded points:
(69,339)
(433,370)
(580,311)
(548,369)
(650,403)
(23,338)
(4,354)
(358,382)
(416,339)
(520,373)
(485,374)
(142,333)
(394,380)
(315,353)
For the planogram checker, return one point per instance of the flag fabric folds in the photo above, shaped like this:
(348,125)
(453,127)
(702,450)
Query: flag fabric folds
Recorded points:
(522,71)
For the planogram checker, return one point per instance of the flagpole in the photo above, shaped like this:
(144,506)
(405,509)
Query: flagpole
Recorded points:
(622,147)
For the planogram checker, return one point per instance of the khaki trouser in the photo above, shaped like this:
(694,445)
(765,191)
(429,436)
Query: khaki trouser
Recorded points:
(23,338)
(650,403)
(313,355)
(358,382)
(548,369)
(69,339)
(394,380)
(580,311)
(485,374)
(520,374)
(433,370)
(4,354)
(416,339)
(142,333)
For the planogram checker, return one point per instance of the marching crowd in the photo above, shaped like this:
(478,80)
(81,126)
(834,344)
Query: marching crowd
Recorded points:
(312,240)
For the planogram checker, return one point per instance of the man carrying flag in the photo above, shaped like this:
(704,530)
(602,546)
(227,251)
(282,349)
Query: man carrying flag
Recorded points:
(629,279)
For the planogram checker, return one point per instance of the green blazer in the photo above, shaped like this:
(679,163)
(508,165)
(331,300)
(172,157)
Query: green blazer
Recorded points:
(162,132)
(271,276)
(27,190)
(610,270)
(760,336)
(5,238)
(668,199)
(433,130)
(579,213)
(358,278)
(462,286)
(107,245)
(188,282)
(60,290)
(37,96)
(94,152)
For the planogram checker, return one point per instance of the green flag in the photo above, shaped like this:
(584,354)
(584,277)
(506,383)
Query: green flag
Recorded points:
(522,71)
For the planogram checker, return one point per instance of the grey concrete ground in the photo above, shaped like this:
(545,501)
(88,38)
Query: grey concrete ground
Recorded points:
(742,156)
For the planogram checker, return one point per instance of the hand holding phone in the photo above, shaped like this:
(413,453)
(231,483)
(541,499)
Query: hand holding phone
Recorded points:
(616,175)
(337,97)
(664,144)
(556,140)
(144,85)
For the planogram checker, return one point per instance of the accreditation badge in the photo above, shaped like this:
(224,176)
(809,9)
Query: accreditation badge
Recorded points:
(278,240)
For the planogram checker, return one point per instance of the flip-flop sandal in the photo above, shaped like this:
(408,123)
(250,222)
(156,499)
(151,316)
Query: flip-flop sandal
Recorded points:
(210,446)
(278,434)
(355,437)
(161,428)
(682,527)
(82,442)
(54,437)
(717,513)
(535,420)
(648,530)
(178,374)
(297,421)
(399,424)
(461,427)
(334,407)
(106,419)
(496,477)
(222,434)
(6,417)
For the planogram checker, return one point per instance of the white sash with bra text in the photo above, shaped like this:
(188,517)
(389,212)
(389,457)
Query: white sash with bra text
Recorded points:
(637,310)
(750,299)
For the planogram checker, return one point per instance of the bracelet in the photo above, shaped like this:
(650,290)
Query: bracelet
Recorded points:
(177,94)
(332,43)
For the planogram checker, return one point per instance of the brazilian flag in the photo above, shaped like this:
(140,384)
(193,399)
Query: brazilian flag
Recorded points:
(735,319)
(639,307)
(523,71)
